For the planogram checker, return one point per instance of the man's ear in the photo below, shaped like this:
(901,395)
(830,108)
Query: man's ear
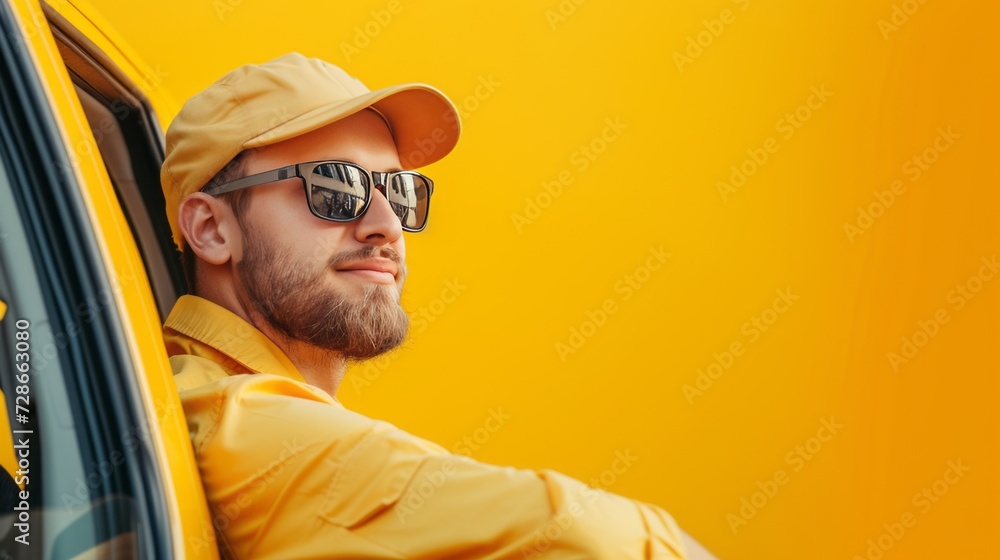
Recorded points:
(210,228)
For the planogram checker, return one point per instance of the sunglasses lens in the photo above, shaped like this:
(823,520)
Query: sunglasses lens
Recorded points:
(409,196)
(337,191)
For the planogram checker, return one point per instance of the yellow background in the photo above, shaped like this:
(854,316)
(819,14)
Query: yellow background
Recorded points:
(492,297)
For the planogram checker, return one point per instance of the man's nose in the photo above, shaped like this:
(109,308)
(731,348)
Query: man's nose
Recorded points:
(379,224)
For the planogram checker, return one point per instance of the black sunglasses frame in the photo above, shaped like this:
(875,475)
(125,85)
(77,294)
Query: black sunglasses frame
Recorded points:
(377,179)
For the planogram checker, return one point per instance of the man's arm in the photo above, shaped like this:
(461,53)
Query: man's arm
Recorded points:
(291,474)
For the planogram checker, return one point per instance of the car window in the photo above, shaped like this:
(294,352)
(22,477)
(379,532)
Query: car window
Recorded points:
(59,491)
(131,146)
(83,484)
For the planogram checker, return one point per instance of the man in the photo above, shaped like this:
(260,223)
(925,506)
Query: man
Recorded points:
(288,187)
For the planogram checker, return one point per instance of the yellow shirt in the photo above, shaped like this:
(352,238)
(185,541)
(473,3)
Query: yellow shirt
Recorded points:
(290,473)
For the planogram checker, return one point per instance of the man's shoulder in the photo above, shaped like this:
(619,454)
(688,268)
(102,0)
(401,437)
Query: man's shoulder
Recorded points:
(192,371)
(250,409)
(200,377)
(248,393)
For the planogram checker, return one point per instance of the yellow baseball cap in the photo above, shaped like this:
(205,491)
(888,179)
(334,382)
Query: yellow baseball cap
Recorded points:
(258,105)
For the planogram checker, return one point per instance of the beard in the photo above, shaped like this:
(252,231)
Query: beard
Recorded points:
(298,303)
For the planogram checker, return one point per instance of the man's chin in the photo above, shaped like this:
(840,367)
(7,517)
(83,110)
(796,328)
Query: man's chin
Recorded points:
(384,296)
(379,327)
(369,352)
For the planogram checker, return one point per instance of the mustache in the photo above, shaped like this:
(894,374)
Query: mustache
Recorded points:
(369,252)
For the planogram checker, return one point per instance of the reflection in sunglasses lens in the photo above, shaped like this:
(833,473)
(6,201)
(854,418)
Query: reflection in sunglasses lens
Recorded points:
(337,191)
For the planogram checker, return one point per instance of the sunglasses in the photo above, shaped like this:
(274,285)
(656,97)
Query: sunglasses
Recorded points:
(341,191)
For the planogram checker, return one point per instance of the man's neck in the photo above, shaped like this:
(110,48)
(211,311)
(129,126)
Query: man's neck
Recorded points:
(320,368)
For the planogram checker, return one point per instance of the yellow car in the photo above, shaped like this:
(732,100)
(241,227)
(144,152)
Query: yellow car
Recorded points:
(96,456)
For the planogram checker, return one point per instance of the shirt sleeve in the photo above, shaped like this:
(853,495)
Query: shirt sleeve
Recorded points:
(289,473)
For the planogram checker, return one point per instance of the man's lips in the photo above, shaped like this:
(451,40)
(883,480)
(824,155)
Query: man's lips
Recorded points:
(383,270)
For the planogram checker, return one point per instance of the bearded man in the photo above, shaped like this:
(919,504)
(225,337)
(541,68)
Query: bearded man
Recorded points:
(288,187)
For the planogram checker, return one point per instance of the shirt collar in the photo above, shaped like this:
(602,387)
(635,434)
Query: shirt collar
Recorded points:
(216,327)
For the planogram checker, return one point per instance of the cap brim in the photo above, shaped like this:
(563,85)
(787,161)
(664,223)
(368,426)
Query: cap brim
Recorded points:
(423,121)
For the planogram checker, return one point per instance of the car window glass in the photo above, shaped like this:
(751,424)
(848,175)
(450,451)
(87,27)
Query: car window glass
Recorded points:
(62,489)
